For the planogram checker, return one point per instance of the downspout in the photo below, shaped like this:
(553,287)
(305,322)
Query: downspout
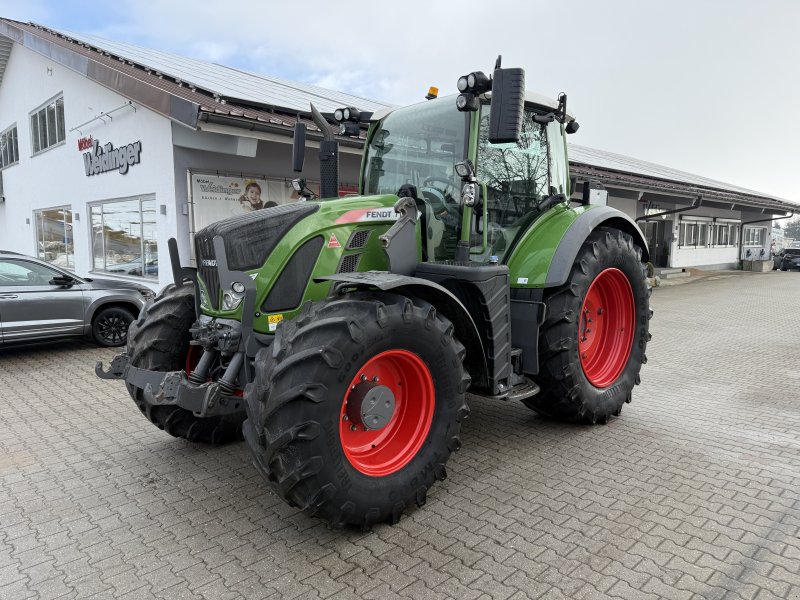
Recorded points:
(741,232)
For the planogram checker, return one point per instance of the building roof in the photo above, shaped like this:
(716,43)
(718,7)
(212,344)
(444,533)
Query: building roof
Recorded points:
(169,95)
(229,83)
(617,169)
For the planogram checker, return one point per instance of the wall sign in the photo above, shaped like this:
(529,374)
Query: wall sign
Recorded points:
(85,143)
(107,158)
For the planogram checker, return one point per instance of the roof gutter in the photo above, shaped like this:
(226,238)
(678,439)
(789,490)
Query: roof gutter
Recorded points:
(677,189)
(250,125)
(696,204)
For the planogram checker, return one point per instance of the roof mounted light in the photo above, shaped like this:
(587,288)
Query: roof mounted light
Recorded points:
(349,129)
(348,113)
(467,102)
(476,83)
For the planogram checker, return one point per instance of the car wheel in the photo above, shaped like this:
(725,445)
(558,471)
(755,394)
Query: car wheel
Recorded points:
(110,326)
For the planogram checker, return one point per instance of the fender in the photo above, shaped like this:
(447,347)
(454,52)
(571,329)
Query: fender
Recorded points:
(441,298)
(543,256)
(574,236)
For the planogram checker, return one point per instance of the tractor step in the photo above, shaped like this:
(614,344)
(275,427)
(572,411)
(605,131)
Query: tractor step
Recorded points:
(521,391)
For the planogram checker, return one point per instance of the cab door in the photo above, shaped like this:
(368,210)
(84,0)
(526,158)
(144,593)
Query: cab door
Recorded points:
(31,307)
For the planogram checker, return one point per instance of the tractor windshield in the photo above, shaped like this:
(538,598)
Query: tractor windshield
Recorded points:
(419,145)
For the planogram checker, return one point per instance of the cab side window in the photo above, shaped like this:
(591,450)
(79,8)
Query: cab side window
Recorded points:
(517,174)
(21,272)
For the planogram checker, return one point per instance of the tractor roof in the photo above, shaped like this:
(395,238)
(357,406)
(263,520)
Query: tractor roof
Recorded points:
(532,99)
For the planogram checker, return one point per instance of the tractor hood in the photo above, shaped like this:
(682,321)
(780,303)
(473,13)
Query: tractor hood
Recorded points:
(282,248)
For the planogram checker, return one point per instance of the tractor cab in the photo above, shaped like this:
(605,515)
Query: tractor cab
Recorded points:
(416,151)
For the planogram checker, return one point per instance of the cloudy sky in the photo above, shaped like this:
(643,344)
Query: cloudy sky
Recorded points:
(706,86)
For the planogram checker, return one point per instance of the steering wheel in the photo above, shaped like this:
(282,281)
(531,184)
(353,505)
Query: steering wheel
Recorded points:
(449,192)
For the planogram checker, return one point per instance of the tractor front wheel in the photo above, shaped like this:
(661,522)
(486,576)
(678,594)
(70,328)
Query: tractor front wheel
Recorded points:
(357,406)
(159,341)
(593,341)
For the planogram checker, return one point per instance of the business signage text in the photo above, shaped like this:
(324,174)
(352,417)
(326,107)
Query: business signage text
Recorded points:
(107,158)
(85,143)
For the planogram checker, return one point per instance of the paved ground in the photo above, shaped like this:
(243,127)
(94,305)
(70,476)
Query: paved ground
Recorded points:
(693,492)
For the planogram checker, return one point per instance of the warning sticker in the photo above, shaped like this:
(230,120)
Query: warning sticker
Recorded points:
(273,321)
(333,242)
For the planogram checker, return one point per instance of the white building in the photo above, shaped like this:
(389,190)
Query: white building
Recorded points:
(107,150)
(104,158)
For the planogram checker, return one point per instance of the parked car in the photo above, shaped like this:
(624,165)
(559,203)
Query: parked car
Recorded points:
(135,268)
(40,301)
(787,259)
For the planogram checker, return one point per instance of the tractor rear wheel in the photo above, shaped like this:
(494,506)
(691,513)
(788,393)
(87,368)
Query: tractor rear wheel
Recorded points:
(593,340)
(159,341)
(357,406)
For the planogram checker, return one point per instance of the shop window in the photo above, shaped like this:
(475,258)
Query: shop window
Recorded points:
(755,236)
(54,240)
(725,234)
(124,237)
(9,148)
(702,234)
(47,125)
(696,233)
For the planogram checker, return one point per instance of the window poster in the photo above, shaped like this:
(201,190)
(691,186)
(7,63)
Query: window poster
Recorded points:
(215,197)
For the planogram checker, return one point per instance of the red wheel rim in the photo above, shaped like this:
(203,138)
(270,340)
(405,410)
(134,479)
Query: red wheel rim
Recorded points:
(605,331)
(385,451)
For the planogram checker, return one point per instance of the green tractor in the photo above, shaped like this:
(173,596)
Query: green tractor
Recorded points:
(339,336)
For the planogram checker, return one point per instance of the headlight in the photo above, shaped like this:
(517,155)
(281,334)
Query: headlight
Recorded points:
(147,293)
(231,300)
(204,303)
(238,287)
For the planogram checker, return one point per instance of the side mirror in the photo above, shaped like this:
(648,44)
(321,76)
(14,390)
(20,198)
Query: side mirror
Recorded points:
(508,105)
(62,280)
(298,147)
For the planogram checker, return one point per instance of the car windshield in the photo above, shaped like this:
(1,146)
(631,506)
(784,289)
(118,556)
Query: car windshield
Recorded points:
(419,145)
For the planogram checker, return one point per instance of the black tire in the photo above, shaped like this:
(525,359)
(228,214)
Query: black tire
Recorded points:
(295,405)
(159,341)
(566,391)
(110,326)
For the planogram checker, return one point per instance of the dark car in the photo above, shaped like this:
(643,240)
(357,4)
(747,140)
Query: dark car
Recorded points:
(39,301)
(787,259)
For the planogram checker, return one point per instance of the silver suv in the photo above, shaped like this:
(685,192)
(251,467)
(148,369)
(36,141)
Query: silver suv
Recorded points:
(39,301)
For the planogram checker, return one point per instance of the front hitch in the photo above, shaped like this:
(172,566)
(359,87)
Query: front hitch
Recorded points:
(173,388)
